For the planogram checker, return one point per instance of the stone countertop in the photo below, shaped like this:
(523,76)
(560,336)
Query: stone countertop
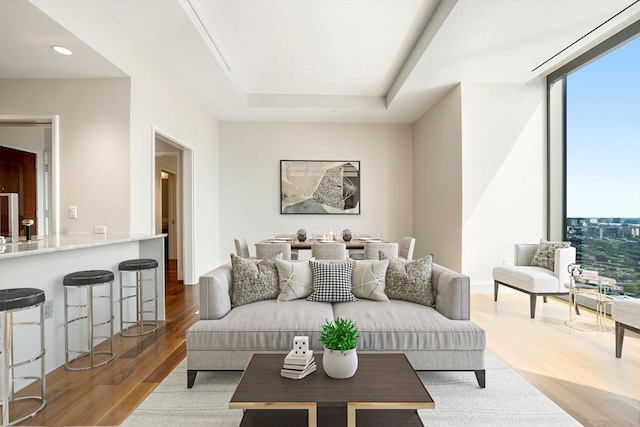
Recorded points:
(66,242)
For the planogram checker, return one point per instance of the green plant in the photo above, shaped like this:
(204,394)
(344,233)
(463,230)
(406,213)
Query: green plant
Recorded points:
(341,334)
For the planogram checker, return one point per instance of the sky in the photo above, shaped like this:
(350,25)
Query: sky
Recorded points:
(603,135)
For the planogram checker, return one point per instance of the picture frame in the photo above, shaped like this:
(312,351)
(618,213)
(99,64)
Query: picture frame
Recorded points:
(319,187)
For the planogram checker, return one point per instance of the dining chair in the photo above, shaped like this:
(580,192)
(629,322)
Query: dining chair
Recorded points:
(406,248)
(358,253)
(329,250)
(242,248)
(282,236)
(265,250)
(371,250)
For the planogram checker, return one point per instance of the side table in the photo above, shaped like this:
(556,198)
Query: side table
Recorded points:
(595,289)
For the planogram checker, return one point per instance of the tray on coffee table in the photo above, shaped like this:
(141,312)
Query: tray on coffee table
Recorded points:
(384,391)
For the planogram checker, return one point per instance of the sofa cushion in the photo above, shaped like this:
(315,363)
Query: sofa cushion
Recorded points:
(405,326)
(295,279)
(527,278)
(410,281)
(254,281)
(546,254)
(261,326)
(368,280)
(332,282)
(626,311)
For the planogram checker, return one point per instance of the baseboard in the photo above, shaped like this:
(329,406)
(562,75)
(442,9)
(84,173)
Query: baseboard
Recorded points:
(480,287)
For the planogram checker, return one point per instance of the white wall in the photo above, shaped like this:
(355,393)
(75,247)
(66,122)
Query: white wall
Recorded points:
(93,147)
(437,174)
(503,164)
(479,169)
(158,103)
(250,155)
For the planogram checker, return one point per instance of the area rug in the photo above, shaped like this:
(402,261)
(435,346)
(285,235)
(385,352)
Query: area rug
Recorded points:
(508,400)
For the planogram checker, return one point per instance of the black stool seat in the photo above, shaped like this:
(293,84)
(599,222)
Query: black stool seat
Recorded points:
(87,277)
(11,299)
(138,264)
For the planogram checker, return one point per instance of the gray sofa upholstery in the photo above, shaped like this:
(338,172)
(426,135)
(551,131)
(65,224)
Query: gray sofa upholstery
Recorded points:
(435,339)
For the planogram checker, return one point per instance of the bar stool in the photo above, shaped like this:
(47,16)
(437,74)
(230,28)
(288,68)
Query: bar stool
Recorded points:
(88,280)
(136,327)
(11,302)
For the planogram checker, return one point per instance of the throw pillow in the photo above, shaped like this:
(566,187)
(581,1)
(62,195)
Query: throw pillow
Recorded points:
(296,280)
(410,281)
(545,255)
(332,282)
(368,280)
(254,281)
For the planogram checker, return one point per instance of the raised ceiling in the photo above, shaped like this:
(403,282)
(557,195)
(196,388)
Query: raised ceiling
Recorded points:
(350,60)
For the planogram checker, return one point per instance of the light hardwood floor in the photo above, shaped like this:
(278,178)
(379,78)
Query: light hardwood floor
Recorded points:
(577,370)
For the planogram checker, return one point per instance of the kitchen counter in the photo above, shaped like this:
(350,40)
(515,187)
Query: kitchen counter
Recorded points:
(43,262)
(65,242)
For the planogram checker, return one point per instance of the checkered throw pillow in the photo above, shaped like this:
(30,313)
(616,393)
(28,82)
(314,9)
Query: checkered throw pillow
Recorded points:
(332,282)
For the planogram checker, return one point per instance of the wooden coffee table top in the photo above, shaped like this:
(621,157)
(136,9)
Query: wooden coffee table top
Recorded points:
(387,379)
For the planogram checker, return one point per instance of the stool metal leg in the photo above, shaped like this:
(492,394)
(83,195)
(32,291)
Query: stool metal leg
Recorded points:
(140,300)
(90,352)
(139,323)
(43,380)
(8,365)
(5,366)
(90,323)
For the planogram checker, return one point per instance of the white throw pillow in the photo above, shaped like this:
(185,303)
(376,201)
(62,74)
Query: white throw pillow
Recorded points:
(296,279)
(368,280)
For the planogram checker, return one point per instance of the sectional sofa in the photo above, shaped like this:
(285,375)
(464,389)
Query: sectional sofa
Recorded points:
(438,338)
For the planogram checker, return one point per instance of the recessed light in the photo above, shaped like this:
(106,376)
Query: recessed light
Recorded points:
(61,50)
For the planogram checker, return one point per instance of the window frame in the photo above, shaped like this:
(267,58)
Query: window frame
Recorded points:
(557,137)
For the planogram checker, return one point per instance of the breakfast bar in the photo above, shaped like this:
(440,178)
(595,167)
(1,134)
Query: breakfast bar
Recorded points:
(44,261)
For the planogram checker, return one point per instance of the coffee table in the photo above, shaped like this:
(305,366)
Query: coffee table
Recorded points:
(383,381)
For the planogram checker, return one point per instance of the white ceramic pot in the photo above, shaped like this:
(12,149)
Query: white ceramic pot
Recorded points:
(338,365)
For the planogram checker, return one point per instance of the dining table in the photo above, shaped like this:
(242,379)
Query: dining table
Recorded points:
(296,244)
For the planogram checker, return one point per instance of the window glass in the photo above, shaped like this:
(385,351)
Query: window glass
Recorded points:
(603,165)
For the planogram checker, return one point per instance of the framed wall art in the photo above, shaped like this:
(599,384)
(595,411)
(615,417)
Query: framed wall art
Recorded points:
(319,187)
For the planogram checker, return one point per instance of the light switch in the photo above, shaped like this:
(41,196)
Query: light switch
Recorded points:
(73,212)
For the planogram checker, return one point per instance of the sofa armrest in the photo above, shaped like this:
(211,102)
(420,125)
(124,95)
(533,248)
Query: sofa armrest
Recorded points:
(452,291)
(523,253)
(215,292)
(563,257)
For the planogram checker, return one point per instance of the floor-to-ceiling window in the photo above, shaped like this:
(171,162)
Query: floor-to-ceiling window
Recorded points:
(595,112)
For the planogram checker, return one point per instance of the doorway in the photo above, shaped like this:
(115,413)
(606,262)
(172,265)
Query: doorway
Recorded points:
(35,136)
(18,175)
(173,203)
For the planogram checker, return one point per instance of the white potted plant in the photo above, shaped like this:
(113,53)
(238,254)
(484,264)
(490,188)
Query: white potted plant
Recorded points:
(340,340)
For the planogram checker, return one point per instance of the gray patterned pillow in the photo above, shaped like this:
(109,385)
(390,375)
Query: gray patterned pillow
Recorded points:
(545,255)
(410,281)
(254,281)
(368,280)
(332,282)
(296,280)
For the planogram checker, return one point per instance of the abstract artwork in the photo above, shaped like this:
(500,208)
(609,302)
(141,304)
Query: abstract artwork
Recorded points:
(319,187)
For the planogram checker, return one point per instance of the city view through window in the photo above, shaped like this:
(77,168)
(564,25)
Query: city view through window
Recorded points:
(603,165)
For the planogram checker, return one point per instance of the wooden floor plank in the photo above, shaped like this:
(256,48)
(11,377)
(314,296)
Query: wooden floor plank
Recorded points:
(577,370)
(108,394)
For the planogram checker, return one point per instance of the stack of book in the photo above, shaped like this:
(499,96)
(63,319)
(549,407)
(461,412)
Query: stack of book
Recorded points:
(298,367)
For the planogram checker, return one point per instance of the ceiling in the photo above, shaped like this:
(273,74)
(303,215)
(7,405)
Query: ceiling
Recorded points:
(383,61)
